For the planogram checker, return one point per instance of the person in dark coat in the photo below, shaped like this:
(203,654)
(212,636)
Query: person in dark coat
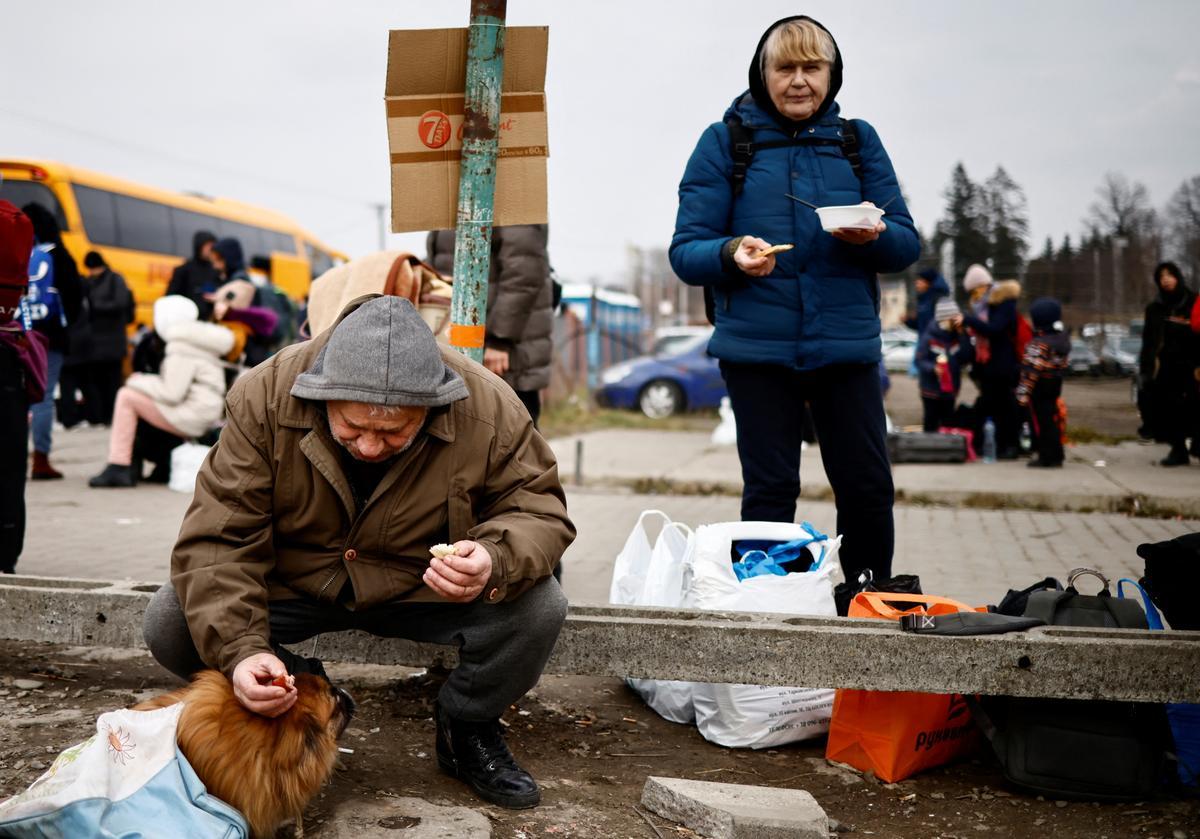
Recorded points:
(943,352)
(99,345)
(997,366)
(197,277)
(1169,363)
(1040,388)
(22,362)
(70,292)
(801,325)
(930,287)
(229,260)
(518,345)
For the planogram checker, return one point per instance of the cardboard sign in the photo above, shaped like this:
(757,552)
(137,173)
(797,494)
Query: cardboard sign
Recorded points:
(426,76)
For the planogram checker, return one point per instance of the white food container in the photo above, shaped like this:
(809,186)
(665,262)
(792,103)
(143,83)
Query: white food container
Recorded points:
(852,217)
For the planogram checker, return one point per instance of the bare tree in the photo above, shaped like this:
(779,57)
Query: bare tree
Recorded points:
(1183,226)
(1122,208)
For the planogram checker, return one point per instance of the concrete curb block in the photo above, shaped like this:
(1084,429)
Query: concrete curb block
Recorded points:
(736,811)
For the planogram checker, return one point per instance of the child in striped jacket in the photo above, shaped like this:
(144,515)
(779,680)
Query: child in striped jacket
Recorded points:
(1040,388)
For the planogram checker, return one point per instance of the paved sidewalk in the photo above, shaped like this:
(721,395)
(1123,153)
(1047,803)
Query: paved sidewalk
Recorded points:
(1096,477)
(970,554)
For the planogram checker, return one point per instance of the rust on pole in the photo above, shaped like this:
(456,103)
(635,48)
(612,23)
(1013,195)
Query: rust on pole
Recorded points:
(477,176)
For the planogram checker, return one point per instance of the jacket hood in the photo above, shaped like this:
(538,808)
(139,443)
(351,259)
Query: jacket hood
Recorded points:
(1003,291)
(173,309)
(938,287)
(199,239)
(231,251)
(45,226)
(758,87)
(208,338)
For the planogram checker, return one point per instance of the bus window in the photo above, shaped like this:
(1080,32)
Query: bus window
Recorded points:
(186,225)
(144,225)
(282,242)
(99,216)
(21,193)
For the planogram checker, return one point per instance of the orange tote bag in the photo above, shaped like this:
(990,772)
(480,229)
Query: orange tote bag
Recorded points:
(897,734)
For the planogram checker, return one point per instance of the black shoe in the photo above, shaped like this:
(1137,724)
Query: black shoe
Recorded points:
(1177,457)
(475,753)
(1009,454)
(113,476)
(160,474)
(1037,463)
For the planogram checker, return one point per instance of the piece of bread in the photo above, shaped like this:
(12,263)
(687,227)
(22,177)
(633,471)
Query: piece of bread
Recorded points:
(772,249)
(443,551)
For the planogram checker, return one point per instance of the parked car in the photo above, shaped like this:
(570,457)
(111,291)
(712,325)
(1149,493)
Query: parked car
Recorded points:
(667,338)
(1119,357)
(683,377)
(1083,360)
(898,354)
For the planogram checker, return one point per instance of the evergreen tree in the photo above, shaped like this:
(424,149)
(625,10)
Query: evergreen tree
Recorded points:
(1007,222)
(964,222)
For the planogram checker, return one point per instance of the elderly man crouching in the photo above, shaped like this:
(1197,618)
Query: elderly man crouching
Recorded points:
(343,461)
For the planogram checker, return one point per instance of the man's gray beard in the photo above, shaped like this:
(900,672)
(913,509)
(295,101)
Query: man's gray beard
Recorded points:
(346,446)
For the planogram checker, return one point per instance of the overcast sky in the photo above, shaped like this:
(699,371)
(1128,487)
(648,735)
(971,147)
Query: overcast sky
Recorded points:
(281,103)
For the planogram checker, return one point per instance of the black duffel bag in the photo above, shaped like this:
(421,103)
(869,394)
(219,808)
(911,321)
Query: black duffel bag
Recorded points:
(1081,749)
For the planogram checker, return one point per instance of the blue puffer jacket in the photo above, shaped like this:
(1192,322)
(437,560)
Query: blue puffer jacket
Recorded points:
(820,306)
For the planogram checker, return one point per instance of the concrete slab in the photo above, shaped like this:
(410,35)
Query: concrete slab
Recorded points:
(411,818)
(736,811)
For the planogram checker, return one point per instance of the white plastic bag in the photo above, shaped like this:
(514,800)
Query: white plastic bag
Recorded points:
(757,716)
(185,465)
(656,576)
(725,434)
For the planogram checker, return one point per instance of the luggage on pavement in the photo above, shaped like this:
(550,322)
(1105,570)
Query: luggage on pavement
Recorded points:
(1083,749)
(926,447)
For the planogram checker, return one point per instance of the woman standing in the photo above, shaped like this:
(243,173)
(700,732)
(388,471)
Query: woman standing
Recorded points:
(801,325)
(1170,361)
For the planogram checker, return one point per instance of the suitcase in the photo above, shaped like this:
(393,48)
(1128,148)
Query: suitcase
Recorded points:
(926,447)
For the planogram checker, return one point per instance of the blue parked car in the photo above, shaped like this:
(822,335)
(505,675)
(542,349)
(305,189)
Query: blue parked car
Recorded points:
(680,376)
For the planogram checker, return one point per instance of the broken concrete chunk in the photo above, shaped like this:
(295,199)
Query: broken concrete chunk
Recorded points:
(736,811)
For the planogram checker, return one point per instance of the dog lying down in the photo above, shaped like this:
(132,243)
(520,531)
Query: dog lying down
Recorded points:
(266,768)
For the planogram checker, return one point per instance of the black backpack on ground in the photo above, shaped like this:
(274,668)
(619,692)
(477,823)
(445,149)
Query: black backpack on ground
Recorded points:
(1082,749)
(742,148)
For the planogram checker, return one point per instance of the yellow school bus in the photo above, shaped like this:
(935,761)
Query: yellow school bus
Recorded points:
(144,232)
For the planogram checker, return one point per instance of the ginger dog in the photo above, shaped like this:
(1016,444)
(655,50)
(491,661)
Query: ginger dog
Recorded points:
(266,768)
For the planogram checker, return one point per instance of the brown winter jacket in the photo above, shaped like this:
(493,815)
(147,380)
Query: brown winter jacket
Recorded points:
(274,516)
(520,307)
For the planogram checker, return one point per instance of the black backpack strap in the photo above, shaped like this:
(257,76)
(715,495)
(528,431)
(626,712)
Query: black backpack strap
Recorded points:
(741,148)
(851,147)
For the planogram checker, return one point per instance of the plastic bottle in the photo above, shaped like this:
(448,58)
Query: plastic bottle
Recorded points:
(989,441)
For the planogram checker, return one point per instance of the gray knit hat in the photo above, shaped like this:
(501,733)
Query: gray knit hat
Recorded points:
(945,310)
(382,353)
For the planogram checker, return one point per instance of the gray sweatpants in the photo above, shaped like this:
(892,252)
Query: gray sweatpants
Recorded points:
(503,647)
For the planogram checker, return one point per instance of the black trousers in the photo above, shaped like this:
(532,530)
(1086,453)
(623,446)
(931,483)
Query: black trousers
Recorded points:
(98,382)
(532,400)
(998,400)
(14,456)
(1043,410)
(938,412)
(847,411)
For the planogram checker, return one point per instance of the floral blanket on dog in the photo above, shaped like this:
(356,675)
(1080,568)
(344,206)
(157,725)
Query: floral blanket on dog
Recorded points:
(128,781)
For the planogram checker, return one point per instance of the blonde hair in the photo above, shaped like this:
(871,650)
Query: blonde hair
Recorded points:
(796,40)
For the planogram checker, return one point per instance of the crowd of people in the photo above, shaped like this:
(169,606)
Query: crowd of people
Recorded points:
(1018,362)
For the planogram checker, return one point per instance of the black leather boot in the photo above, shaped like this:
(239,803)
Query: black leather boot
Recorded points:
(476,754)
(1178,456)
(113,476)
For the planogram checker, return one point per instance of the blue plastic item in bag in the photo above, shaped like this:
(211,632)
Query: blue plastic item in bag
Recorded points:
(757,562)
(1183,717)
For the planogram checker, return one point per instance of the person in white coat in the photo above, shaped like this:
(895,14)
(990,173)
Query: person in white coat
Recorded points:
(185,398)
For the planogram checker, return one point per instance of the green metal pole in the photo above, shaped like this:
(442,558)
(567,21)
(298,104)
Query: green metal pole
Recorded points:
(477,177)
